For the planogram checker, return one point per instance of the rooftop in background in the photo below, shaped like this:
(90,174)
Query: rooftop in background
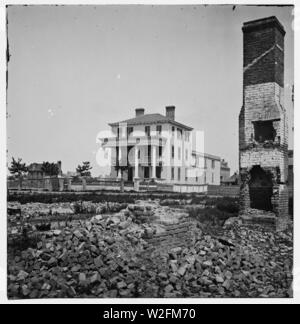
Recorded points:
(233,179)
(224,164)
(149,119)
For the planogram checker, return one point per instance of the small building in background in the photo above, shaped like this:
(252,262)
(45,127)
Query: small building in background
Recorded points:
(234,180)
(225,171)
(35,170)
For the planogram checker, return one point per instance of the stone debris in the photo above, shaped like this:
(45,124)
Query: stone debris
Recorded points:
(110,255)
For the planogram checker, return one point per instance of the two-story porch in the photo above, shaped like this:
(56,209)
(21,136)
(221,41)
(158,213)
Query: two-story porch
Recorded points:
(140,155)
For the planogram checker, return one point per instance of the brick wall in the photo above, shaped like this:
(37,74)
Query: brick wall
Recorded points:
(174,235)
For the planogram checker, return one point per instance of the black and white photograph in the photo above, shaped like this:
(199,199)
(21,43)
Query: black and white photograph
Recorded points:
(149,152)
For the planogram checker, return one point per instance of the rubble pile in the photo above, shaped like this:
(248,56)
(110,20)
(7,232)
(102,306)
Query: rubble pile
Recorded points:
(99,257)
(31,211)
(109,256)
(175,202)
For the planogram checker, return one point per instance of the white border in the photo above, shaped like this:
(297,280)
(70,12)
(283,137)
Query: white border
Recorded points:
(3,297)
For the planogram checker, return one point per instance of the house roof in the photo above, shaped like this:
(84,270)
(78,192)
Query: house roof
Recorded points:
(38,166)
(233,178)
(151,119)
(35,167)
(206,155)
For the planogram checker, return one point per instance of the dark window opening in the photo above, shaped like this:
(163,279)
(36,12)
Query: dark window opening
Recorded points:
(158,129)
(129,131)
(158,172)
(260,189)
(149,154)
(147,130)
(146,172)
(172,173)
(264,131)
(130,174)
(160,151)
(117,155)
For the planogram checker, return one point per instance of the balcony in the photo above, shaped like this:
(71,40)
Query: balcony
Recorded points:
(153,140)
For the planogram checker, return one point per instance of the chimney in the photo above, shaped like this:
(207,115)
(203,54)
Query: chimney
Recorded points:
(263,51)
(170,112)
(139,112)
(59,167)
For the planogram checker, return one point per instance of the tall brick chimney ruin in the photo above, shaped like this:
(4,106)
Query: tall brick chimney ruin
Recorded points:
(263,130)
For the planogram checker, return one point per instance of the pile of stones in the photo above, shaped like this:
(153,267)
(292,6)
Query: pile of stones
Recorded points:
(175,202)
(109,255)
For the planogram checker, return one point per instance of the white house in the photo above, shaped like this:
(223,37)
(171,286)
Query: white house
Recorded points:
(154,146)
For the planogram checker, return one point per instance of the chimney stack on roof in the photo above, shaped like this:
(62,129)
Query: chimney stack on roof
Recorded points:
(139,112)
(170,112)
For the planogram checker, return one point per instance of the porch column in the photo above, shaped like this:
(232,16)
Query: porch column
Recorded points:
(136,163)
(119,161)
(153,162)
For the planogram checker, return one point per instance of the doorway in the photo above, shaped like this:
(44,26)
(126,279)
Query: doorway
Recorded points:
(130,174)
(146,172)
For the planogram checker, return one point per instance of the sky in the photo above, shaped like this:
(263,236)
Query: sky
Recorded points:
(74,69)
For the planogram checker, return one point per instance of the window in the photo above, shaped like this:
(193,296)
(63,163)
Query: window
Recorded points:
(139,154)
(147,130)
(173,130)
(149,154)
(179,133)
(179,153)
(186,154)
(179,171)
(212,178)
(213,164)
(172,173)
(160,148)
(187,136)
(205,163)
(173,153)
(186,174)
(158,129)
(204,177)
(197,179)
(118,132)
(129,131)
